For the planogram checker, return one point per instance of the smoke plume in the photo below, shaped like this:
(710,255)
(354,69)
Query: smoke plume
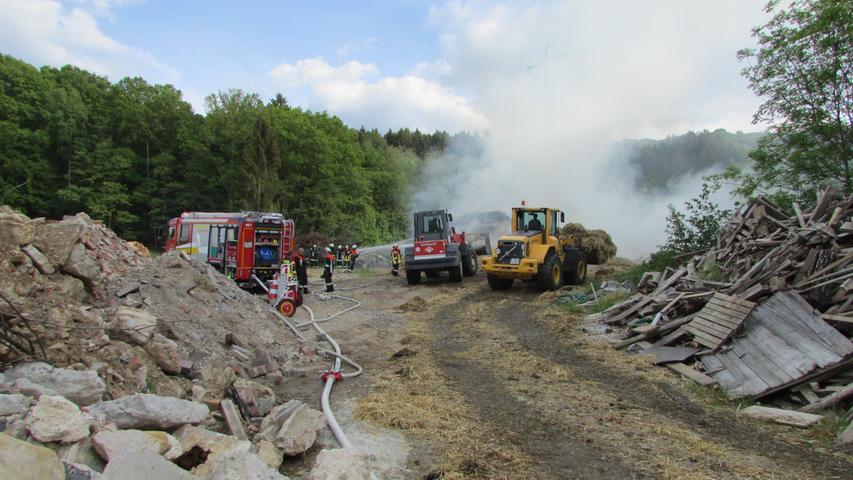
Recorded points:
(560,82)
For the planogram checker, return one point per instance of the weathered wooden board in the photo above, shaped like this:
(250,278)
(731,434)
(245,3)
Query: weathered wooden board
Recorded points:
(718,320)
(783,340)
(670,354)
(691,373)
(778,415)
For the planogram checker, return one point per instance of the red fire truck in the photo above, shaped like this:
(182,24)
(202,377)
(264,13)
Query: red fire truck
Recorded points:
(245,246)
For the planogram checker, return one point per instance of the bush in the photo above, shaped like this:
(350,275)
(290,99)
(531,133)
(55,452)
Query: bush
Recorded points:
(656,263)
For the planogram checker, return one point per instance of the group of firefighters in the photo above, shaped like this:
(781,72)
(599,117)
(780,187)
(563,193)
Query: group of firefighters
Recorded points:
(344,256)
(331,258)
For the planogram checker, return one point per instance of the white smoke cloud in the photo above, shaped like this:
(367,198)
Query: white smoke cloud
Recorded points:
(615,70)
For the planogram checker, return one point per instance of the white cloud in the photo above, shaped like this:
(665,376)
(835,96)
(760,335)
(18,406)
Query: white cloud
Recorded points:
(315,71)
(57,33)
(437,69)
(356,92)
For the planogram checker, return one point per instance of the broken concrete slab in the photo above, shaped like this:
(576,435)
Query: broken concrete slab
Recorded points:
(148,411)
(272,423)
(41,262)
(136,324)
(340,464)
(243,466)
(144,466)
(112,444)
(28,388)
(15,403)
(165,354)
(55,419)
(218,445)
(292,427)
(24,461)
(81,264)
(233,419)
(216,380)
(56,240)
(269,454)
(778,415)
(81,472)
(299,432)
(81,387)
(82,453)
(15,228)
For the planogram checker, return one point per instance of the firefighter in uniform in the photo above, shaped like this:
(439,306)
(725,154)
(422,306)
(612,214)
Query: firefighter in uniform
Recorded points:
(396,259)
(340,255)
(353,255)
(346,256)
(313,257)
(301,267)
(328,269)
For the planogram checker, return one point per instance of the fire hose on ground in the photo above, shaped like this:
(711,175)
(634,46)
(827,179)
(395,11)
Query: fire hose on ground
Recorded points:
(335,374)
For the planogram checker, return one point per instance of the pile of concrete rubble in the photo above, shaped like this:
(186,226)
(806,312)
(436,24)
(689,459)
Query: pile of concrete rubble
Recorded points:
(115,365)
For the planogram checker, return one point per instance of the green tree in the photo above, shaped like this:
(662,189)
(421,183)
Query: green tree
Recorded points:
(696,228)
(263,172)
(803,69)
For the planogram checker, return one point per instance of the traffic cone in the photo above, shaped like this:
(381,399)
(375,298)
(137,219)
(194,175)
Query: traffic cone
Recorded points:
(272,295)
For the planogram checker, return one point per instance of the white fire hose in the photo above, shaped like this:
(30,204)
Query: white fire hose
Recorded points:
(335,373)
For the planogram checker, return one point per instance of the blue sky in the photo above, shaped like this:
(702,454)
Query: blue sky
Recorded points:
(235,43)
(430,65)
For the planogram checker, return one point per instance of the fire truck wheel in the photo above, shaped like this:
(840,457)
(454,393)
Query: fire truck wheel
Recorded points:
(456,273)
(287,307)
(413,277)
(470,262)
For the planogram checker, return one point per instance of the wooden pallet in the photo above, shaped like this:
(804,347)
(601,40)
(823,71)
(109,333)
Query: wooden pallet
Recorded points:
(719,320)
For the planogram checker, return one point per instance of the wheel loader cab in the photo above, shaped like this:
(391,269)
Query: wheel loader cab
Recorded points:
(431,225)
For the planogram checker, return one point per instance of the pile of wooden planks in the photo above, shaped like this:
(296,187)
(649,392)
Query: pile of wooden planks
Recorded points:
(766,312)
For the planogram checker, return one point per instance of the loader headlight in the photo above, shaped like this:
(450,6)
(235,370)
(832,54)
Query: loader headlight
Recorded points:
(498,251)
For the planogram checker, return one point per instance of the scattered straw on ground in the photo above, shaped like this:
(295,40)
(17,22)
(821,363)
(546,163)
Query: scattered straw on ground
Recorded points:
(415,398)
(658,444)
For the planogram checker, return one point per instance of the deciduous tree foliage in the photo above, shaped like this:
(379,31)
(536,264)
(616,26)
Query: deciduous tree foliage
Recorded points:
(803,69)
(134,154)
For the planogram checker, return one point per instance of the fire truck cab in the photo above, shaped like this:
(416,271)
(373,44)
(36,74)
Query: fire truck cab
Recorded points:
(240,245)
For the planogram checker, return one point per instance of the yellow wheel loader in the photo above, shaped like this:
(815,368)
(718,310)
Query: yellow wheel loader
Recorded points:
(533,252)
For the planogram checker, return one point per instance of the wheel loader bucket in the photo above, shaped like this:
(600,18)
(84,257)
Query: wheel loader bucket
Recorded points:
(481,243)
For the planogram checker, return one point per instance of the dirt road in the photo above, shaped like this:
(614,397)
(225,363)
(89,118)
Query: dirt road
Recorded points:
(464,382)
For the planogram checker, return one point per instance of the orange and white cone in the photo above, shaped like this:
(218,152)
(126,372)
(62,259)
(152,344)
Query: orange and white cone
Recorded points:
(272,295)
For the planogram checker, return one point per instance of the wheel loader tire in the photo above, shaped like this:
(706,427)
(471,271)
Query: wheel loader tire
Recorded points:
(550,275)
(413,277)
(574,267)
(432,273)
(456,273)
(498,283)
(470,262)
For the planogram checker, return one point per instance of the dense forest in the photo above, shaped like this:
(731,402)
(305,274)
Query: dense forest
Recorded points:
(658,163)
(134,154)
